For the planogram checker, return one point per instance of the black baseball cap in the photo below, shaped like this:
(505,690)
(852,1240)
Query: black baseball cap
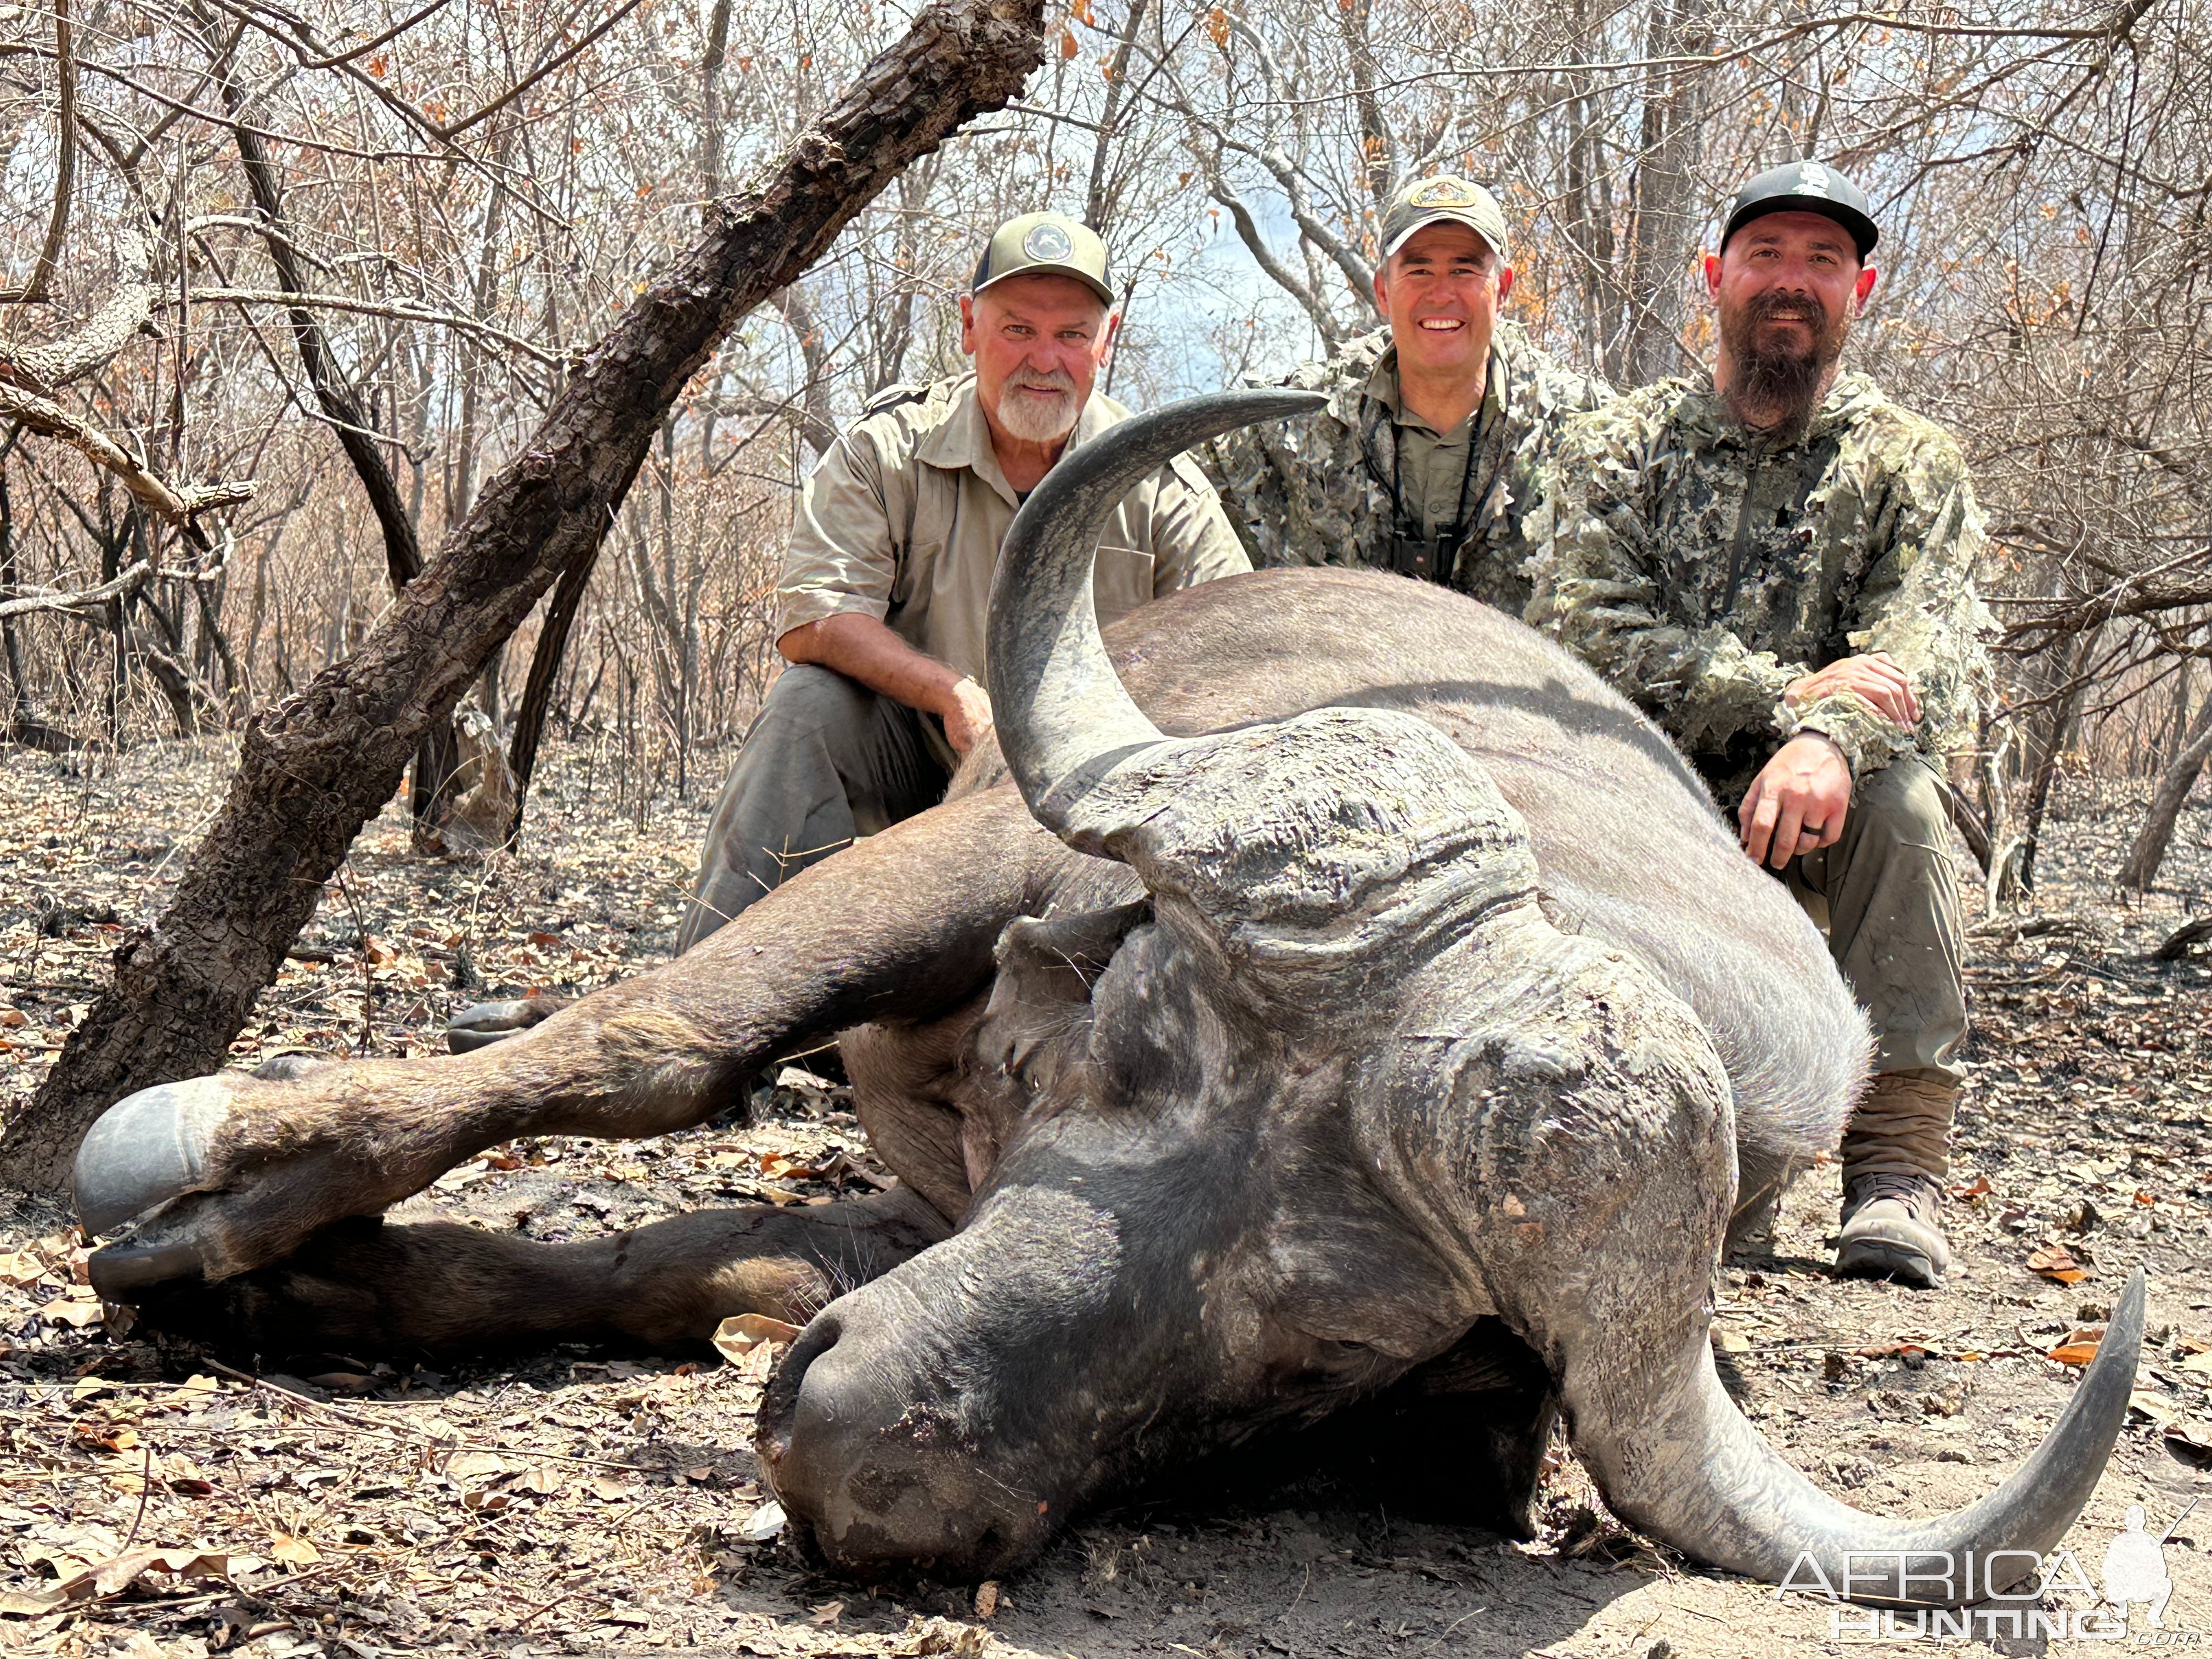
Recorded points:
(1804,187)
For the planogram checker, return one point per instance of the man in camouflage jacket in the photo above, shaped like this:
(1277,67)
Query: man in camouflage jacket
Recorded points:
(1437,427)
(1777,562)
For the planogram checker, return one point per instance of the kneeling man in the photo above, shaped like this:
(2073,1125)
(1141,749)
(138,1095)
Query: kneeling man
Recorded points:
(1777,562)
(887,585)
(1438,426)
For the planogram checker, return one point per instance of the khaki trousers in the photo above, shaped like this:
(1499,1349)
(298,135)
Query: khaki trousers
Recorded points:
(1886,896)
(826,760)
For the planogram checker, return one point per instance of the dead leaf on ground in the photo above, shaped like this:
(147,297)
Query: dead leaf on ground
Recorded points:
(762,1524)
(544,1481)
(2055,1262)
(74,1310)
(2155,1406)
(294,1551)
(115,1574)
(469,1468)
(828,1613)
(2192,1440)
(1906,1351)
(1967,1192)
(96,1434)
(987,1598)
(738,1336)
(184,1475)
(609,1490)
(946,1637)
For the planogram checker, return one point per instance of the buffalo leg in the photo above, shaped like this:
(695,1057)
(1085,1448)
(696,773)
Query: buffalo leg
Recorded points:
(900,927)
(365,1286)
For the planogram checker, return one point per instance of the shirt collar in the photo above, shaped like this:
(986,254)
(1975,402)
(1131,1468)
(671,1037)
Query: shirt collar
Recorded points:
(961,437)
(1382,386)
(1849,397)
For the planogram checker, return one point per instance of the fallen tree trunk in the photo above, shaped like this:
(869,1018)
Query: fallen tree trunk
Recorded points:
(315,766)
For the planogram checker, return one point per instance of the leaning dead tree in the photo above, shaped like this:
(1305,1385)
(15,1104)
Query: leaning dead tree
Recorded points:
(317,766)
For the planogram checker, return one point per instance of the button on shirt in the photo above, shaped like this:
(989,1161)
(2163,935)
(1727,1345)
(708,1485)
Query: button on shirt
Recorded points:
(902,518)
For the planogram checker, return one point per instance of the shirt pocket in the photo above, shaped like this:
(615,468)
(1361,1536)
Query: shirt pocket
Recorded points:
(914,568)
(1121,581)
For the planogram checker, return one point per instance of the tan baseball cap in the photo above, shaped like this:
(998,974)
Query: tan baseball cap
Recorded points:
(1447,196)
(1046,244)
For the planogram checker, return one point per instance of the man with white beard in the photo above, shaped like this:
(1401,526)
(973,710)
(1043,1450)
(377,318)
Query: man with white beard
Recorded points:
(887,584)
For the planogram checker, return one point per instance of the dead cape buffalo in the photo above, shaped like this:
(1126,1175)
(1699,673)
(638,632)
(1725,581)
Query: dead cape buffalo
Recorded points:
(1413,1027)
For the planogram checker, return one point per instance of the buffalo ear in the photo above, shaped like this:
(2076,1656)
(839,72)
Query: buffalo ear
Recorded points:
(1047,966)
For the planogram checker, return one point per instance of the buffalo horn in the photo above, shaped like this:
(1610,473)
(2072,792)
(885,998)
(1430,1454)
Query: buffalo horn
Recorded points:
(1064,720)
(1692,1472)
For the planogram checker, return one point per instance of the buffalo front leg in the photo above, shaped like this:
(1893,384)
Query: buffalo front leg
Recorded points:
(240,1170)
(364,1286)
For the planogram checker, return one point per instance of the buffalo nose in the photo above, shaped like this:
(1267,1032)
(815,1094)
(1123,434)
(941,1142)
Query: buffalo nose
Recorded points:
(860,1453)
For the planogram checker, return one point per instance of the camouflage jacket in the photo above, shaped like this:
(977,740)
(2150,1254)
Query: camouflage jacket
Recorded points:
(1318,490)
(1702,571)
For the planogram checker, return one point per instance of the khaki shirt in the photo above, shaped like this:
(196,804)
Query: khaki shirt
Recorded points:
(902,518)
(1432,465)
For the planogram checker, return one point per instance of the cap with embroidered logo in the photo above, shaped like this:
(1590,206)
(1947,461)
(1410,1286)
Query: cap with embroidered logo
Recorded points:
(1045,244)
(1426,202)
(1804,187)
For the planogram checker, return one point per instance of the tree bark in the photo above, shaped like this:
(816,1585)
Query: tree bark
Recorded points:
(316,766)
(2174,784)
(1666,222)
(2057,735)
(537,689)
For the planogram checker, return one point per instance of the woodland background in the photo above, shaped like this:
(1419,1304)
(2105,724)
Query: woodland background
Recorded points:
(368,242)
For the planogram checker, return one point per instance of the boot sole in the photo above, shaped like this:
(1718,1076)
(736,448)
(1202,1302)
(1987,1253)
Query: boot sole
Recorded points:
(1876,1258)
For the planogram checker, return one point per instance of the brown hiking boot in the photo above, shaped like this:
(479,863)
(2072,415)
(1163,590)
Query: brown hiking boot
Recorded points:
(1893,1229)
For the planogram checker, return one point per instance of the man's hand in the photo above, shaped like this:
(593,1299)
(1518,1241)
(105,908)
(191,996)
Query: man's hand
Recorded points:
(1796,804)
(862,648)
(1875,677)
(967,715)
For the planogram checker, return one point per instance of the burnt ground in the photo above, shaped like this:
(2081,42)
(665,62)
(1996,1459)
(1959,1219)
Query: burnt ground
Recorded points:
(580,1501)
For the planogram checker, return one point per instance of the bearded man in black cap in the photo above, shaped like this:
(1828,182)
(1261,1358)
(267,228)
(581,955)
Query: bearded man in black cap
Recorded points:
(1777,562)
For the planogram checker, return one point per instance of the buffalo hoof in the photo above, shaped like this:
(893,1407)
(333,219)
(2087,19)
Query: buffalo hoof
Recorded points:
(483,1024)
(145,1151)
